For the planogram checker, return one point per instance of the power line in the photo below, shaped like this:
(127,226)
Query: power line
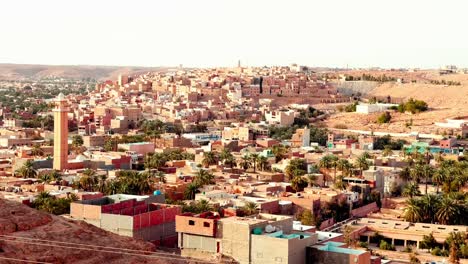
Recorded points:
(90,248)
(25,260)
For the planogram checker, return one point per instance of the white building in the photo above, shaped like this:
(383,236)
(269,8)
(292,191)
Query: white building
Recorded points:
(373,108)
(452,123)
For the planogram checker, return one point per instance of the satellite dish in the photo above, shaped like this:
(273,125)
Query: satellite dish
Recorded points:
(269,228)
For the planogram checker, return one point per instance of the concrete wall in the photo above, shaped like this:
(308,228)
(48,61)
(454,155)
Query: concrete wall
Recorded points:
(236,241)
(156,233)
(363,211)
(119,224)
(354,87)
(316,256)
(267,249)
(202,243)
(85,211)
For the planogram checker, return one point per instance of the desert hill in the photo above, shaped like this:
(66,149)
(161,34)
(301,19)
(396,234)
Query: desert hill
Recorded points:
(444,102)
(22,71)
(30,235)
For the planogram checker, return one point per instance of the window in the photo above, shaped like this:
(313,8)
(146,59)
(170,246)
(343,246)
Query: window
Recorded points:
(191,222)
(206,224)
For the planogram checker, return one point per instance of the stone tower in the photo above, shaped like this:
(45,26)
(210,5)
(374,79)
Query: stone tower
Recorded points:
(60,133)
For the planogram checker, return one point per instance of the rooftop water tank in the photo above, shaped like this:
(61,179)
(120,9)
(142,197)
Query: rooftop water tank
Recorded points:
(157,192)
(269,228)
(257,231)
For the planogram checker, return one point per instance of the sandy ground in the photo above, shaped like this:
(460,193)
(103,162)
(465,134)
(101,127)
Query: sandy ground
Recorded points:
(444,102)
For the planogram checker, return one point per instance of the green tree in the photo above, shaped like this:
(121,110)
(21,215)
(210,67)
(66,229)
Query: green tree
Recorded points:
(279,151)
(203,177)
(362,163)
(250,208)
(37,150)
(428,242)
(298,183)
(77,141)
(245,162)
(263,163)
(413,212)
(449,211)
(296,168)
(209,158)
(384,118)
(411,190)
(306,217)
(190,191)
(27,170)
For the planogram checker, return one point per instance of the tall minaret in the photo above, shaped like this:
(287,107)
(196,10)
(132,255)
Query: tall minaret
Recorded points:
(60,133)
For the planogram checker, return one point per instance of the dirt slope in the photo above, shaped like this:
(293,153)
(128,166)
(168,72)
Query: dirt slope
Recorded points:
(65,241)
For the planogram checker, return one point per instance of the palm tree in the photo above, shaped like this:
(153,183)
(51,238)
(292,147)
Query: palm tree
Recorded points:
(298,183)
(250,208)
(37,150)
(231,161)
(427,172)
(416,172)
(190,191)
(209,158)
(204,206)
(51,176)
(279,151)
(225,154)
(439,177)
(334,163)
(27,170)
(245,162)
(312,179)
(387,151)
(345,167)
(362,163)
(161,177)
(405,174)
(254,157)
(45,178)
(449,211)
(263,163)
(102,183)
(112,187)
(203,177)
(411,190)
(88,179)
(429,205)
(413,212)
(325,163)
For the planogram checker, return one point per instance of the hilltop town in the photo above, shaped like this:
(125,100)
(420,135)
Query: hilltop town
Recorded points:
(280,164)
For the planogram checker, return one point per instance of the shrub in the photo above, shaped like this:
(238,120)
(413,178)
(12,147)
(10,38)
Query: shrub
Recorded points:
(384,118)
(384,245)
(363,244)
(413,106)
(341,126)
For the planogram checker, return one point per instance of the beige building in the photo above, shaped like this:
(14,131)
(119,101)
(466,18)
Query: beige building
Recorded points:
(237,133)
(263,238)
(94,140)
(281,118)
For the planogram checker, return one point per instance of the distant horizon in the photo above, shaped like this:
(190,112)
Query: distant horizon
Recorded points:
(426,34)
(243,66)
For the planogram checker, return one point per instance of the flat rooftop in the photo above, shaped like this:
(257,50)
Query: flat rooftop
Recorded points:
(337,248)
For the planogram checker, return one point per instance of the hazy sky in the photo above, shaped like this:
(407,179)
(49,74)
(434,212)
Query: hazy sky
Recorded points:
(358,33)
